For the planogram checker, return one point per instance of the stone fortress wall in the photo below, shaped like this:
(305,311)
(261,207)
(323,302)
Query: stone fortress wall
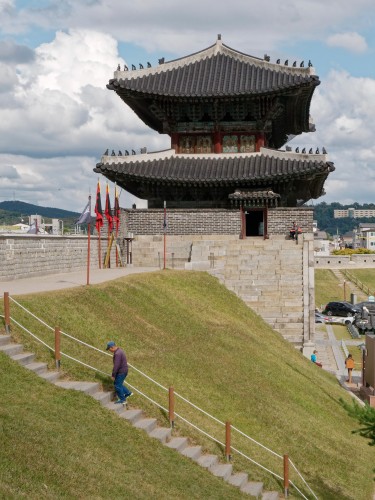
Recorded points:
(23,256)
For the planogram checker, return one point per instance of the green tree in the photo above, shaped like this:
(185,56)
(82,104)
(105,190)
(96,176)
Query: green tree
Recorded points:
(366,418)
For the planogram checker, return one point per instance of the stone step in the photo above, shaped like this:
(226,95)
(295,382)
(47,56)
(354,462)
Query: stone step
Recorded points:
(11,349)
(193,452)
(162,434)
(208,461)
(50,376)
(118,408)
(177,443)
(239,479)
(24,358)
(253,488)
(104,397)
(5,339)
(132,415)
(270,495)
(146,424)
(86,387)
(36,367)
(222,470)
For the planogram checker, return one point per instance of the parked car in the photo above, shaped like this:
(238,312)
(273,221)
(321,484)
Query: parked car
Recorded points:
(347,320)
(341,309)
(321,318)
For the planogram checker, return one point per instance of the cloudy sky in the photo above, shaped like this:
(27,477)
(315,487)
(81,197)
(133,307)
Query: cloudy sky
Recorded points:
(56,57)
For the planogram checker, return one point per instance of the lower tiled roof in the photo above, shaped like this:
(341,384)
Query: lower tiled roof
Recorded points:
(214,169)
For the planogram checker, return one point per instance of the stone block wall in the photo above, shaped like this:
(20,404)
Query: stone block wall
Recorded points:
(31,255)
(345,261)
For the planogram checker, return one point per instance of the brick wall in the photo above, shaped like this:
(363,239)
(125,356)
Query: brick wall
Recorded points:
(280,220)
(189,221)
(195,221)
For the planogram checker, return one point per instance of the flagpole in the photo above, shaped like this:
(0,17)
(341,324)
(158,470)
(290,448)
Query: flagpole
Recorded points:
(116,246)
(88,243)
(165,232)
(100,250)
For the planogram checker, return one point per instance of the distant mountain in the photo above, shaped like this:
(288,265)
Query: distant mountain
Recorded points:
(22,208)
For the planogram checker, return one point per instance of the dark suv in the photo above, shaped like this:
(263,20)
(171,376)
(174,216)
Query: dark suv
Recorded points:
(341,309)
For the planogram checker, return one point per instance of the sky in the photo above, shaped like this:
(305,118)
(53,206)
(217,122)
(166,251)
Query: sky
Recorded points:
(56,56)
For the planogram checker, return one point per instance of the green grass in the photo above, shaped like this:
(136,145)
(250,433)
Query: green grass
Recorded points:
(366,276)
(185,329)
(63,444)
(327,288)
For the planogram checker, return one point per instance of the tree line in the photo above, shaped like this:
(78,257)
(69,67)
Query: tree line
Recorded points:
(323,214)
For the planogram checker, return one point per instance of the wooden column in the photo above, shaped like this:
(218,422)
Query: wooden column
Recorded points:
(217,143)
(259,141)
(174,141)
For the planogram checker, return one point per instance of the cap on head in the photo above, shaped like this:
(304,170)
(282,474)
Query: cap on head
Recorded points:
(110,344)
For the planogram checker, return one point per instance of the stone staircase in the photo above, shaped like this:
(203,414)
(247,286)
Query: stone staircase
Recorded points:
(137,418)
(266,274)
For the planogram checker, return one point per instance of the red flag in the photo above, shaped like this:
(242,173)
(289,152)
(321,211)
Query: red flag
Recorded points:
(107,211)
(98,209)
(116,213)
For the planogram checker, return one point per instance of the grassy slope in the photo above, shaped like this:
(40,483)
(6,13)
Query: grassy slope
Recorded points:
(186,330)
(366,276)
(62,444)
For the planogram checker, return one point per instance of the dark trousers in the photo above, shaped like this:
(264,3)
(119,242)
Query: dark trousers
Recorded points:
(121,390)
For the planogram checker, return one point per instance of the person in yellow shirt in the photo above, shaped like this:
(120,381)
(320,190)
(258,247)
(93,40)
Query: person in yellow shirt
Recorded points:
(349,364)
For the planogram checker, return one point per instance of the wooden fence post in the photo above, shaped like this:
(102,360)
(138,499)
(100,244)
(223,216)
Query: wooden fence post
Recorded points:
(57,347)
(227,441)
(171,406)
(286,476)
(6,312)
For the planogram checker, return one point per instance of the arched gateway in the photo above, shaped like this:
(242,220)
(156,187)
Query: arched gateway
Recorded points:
(228,115)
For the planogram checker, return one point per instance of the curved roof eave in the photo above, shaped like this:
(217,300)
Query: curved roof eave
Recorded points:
(213,169)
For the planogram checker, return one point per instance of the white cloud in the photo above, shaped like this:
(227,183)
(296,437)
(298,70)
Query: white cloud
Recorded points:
(349,41)
(343,108)
(57,117)
(63,95)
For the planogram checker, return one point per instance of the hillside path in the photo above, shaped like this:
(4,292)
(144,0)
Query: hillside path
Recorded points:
(61,281)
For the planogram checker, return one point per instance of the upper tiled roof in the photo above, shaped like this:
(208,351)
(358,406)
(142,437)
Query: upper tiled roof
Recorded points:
(215,71)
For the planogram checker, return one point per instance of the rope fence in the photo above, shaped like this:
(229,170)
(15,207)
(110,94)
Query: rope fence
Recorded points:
(172,393)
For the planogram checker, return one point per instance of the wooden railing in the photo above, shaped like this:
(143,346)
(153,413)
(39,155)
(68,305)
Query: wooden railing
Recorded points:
(357,282)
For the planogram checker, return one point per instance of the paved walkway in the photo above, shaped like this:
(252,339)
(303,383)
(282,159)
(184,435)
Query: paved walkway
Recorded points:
(68,280)
(331,355)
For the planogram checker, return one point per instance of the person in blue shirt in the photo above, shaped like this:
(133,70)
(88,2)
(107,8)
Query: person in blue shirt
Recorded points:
(314,359)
